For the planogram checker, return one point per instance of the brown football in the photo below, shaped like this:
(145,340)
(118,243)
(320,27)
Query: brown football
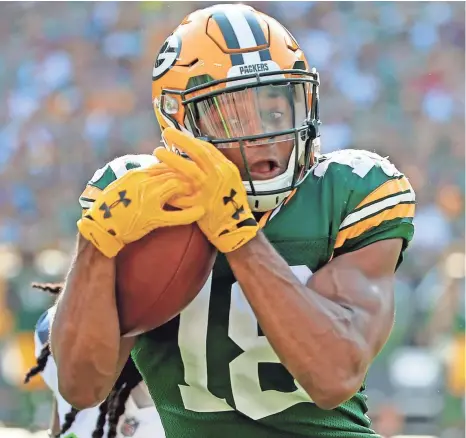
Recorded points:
(159,275)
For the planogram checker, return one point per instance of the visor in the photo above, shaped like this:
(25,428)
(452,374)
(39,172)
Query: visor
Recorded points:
(266,123)
(267,110)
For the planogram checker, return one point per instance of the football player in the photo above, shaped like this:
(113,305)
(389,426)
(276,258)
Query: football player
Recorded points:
(127,412)
(300,300)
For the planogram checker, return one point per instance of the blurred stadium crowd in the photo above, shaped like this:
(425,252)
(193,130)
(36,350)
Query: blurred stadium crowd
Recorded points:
(75,81)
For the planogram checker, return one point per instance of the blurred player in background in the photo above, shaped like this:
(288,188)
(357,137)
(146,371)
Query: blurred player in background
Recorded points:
(300,301)
(128,411)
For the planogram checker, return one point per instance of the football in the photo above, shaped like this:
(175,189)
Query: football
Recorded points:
(159,275)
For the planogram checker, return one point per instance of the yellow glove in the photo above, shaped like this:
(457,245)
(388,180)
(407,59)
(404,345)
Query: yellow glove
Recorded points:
(228,222)
(132,206)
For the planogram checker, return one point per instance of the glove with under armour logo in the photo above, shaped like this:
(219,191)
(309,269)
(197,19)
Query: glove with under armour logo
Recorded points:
(228,221)
(132,206)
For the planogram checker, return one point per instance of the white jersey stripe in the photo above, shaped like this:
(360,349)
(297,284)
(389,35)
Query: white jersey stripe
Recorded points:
(378,206)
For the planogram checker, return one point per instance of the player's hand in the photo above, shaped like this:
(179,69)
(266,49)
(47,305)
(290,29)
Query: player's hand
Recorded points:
(228,222)
(133,206)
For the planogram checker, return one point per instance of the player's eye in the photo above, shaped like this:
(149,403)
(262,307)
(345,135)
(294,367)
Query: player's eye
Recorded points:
(273,116)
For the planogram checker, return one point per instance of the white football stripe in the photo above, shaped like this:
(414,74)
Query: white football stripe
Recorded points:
(378,206)
(244,34)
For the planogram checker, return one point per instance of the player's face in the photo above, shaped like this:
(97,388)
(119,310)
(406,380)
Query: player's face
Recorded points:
(253,112)
(267,158)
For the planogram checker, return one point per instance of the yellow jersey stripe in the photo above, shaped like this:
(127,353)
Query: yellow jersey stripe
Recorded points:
(264,219)
(372,209)
(360,227)
(271,213)
(288,198)
(389,188)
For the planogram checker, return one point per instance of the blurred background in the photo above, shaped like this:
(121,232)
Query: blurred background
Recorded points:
(75,81)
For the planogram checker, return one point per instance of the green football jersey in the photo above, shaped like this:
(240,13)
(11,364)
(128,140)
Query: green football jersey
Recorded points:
(211,371)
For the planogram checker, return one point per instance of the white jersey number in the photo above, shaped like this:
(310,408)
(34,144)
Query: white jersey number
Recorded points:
(249,398)
(360,161)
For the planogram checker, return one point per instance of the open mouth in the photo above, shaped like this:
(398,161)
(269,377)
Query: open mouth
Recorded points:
(265,169)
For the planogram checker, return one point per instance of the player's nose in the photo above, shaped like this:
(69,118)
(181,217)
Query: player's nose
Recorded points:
(255,151)
(260,147)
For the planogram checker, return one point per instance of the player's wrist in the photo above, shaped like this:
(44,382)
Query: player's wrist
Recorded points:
(233,240)
(232,228)
(109,245)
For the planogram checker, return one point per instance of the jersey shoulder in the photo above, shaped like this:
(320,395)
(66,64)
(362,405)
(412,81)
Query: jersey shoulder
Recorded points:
(355,169)
(109,173)
(369,197)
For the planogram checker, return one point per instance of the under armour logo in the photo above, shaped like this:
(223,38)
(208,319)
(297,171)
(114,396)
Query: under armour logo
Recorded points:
(239,209)
(227,199)
(237,212)
(123,200)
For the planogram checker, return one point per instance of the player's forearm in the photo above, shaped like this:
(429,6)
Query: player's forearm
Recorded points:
(85,334)
(313,336)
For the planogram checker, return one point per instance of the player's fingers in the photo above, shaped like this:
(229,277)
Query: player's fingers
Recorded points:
(174,187)
(158,175)
(159,169)
(185,201)
(197,150)
(187,168)
(184,216)
(161,172)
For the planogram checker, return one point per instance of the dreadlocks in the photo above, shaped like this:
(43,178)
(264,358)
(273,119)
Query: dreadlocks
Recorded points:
(115,403)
